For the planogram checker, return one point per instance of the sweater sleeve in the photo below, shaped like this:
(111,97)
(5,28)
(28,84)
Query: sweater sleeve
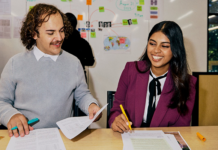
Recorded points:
(7,93)
(82,94)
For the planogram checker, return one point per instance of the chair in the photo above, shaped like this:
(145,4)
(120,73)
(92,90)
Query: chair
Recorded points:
(206,101)
(110,99)
(2,127)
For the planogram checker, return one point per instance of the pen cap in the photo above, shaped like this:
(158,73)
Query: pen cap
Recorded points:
(201,137)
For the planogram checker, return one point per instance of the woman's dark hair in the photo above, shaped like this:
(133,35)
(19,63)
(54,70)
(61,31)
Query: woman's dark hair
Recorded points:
(36,16)
(72,19)
(178,64)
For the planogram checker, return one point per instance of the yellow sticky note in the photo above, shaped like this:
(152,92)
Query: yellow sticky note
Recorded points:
(30,7)
(80,17)
(88,2)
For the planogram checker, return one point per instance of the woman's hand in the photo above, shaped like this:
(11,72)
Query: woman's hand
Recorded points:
(120,124)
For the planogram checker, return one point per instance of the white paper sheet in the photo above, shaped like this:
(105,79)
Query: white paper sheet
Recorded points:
(5,7)
(5,27)
(147,140)
(173,141)
(39,139)
(73,126)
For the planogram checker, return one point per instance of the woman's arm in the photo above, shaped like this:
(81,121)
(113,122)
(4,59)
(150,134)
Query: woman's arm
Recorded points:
(120,95)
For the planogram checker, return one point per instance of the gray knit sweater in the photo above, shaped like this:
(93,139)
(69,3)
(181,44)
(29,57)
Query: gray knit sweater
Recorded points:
(44,89)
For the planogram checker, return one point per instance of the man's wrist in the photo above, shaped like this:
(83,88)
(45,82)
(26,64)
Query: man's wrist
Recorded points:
(93,103)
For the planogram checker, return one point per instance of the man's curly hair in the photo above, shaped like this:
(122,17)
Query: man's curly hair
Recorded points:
(37,15)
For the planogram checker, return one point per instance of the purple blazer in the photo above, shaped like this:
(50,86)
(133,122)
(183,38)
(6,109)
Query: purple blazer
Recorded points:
(131,93)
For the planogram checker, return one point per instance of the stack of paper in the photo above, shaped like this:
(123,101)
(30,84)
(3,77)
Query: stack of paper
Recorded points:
(39,139)
(73,126)
(149,140)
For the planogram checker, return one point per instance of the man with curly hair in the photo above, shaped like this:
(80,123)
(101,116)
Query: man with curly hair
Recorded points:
(43,81)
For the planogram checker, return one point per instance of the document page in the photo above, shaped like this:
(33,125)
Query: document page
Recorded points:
(5,27)
(173,141)
(147,140)
(5,7)
(39,139)
(179,139)
(73,126)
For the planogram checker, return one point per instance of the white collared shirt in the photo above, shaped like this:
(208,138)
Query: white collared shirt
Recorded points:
(39,54)
(162,81)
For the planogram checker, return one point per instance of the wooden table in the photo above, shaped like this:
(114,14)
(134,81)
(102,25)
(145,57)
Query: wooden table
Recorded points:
(106,139)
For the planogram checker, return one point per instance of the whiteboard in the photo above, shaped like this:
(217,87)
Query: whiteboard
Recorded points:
(104,75)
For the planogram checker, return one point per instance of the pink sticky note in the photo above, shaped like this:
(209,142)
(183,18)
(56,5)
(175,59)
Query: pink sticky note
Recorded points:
(83,34)
(122,40)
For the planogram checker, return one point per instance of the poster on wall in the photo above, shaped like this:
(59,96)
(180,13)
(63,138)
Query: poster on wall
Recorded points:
(5,7)
(5,28)
(117,43)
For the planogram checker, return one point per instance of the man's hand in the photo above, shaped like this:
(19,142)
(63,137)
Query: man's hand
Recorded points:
(93,109)
(120,124)
(20,121)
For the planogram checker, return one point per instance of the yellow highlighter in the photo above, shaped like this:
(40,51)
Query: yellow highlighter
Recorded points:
(123,111)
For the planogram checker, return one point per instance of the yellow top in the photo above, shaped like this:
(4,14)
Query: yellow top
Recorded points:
(125,116)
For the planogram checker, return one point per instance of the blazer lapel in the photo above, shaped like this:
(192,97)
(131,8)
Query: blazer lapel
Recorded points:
(140,97)
(164,101)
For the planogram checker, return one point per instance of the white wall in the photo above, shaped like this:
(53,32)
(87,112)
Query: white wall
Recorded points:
(10,47)
(191,15)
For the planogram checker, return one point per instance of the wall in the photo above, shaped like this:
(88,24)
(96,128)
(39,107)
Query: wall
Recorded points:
(191,15)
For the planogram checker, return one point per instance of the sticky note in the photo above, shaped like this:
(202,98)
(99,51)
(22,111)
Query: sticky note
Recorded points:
(122,40)
(153,8)
(30,7)
(139,8)
(141,2)
(80,17)
(88,2)
(125,22)
(1,137)
(134,21)
(83,34)
(70,0)
(101,9)
(63,0)
(154,17)
(93,34)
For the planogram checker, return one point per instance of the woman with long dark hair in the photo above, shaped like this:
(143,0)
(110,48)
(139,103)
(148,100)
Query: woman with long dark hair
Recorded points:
(156,91)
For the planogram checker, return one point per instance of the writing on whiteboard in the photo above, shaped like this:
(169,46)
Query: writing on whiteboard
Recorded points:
(126,5)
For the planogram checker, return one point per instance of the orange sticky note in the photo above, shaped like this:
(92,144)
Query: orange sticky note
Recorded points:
(88,2)
(1,137)
(80,17)
(201,137)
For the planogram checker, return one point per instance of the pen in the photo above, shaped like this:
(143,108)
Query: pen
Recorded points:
(201,137)
(123,111)
(29,122)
